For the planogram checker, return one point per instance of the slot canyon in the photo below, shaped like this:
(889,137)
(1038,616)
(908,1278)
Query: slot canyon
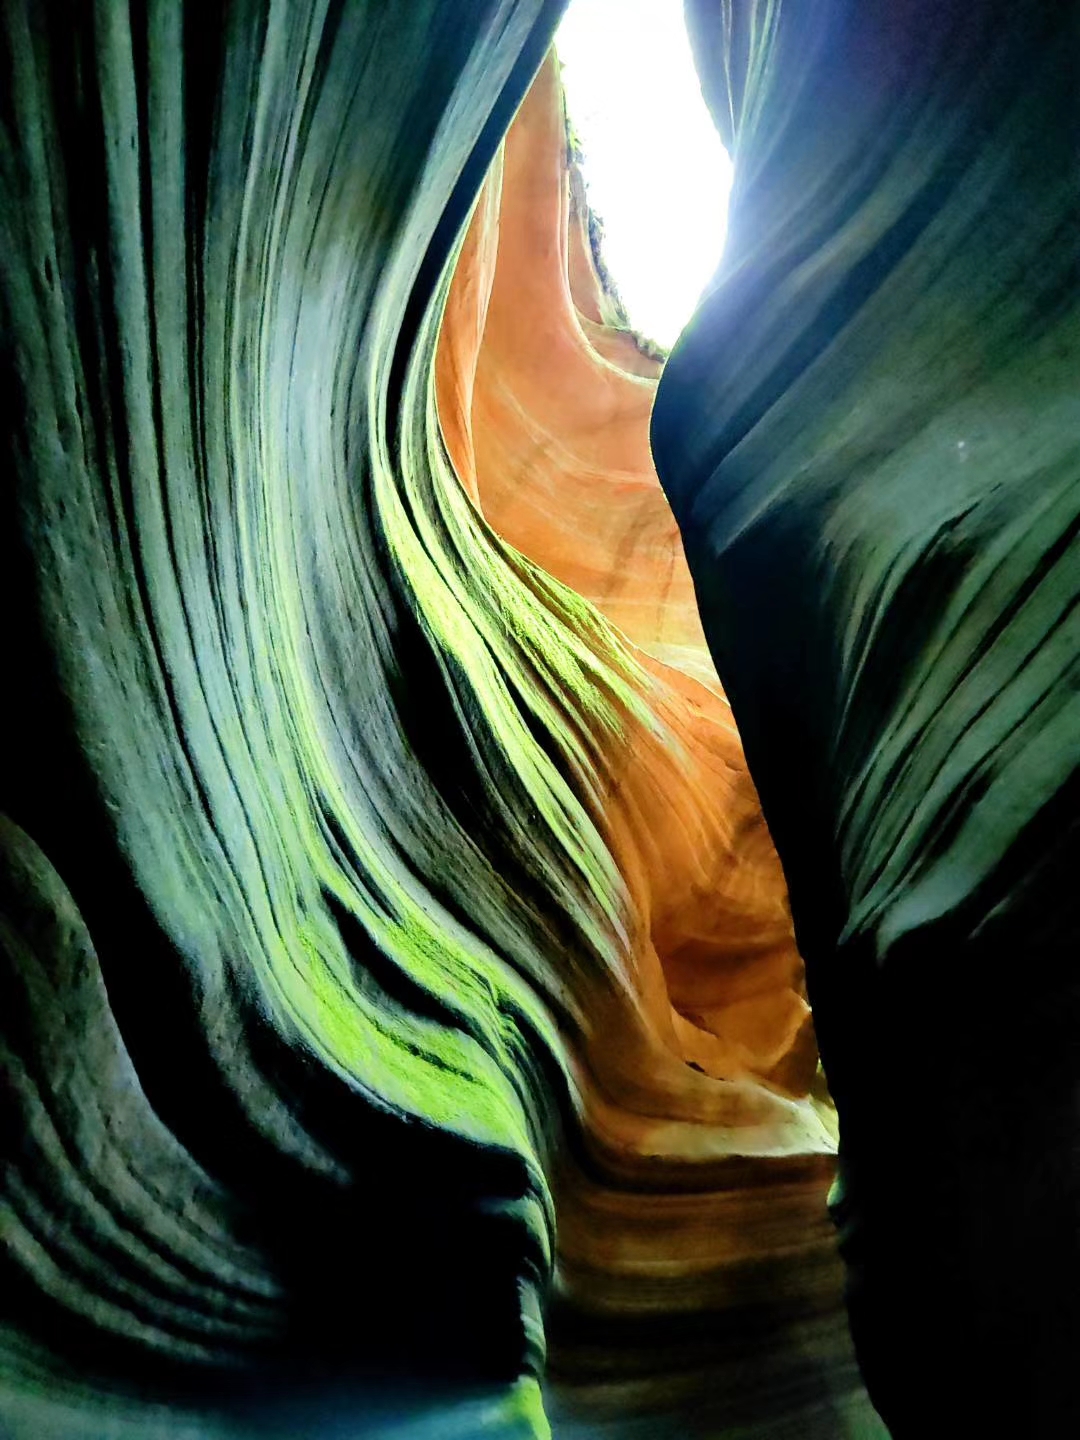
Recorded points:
(539,875)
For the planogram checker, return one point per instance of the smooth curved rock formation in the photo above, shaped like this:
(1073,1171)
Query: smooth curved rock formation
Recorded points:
(551,439)
(549,434)
(397,979)
(868,435)
(268,774)
(365,910)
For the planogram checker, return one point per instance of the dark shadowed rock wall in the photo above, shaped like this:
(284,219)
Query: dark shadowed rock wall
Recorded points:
(870,436)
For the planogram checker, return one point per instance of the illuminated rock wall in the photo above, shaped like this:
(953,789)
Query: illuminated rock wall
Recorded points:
(370,931)
(697,1223)
(292,842)
(396,967)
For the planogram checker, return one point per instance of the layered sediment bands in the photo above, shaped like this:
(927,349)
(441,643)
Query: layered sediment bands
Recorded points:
(290,858)
(391,938)
(692,1236)
(869,437)
(550,438)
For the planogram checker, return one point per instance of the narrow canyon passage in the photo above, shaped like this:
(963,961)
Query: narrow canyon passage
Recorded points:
(704,1089)
(449,749)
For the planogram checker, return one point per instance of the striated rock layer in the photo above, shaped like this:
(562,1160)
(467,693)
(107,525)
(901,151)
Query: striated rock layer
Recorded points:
(695,1232)
(393,944)
(396,970)
(869,437)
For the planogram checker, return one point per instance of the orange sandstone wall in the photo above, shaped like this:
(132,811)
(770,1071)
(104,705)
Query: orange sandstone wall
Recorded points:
(708,1155)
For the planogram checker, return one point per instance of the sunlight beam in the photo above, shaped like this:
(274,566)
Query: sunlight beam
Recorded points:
(655,171)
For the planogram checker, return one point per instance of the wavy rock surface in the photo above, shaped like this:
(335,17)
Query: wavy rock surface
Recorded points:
(552,441)
(397,973)
(278,939)
(697,1224)
(869,437)
(367,931)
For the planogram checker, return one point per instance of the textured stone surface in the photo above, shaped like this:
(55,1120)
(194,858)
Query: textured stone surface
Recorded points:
(274,926)
(693,1263)
(377,919)
(398,993)
(869,437)
(551,439)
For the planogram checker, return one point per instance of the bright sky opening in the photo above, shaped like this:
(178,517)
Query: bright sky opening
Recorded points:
(655,171)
